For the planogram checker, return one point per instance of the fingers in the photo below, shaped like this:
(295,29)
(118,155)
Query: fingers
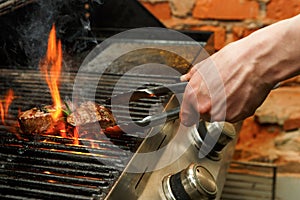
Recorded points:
(188,115)
(196,103)
(187,76)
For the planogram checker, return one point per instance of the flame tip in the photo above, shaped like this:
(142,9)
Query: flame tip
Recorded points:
(5,104)
(51,68)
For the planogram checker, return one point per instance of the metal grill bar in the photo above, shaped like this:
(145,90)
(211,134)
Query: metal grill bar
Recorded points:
(58,163)
(67,171)
(28,189)
(250,181)
(7,6)
(110,151)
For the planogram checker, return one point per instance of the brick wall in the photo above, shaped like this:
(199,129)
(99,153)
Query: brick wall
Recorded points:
(229,19)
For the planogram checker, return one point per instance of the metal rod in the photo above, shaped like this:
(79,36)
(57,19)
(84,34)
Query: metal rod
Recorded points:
(274,183)
(12,5)
(68,171)
(45,189)
(56,178)
(99,167)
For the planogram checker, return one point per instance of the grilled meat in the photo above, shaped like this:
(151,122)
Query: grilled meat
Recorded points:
(39,120)
(36,120)
(90,112)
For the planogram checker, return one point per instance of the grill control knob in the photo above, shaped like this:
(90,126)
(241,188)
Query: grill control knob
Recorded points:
(195,182)
(217,134)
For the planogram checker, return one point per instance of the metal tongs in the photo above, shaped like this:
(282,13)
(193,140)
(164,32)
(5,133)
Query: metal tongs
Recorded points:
(134,95)
(154,120)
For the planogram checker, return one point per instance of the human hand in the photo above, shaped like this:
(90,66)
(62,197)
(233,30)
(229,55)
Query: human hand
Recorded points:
(232,83)
(224,87)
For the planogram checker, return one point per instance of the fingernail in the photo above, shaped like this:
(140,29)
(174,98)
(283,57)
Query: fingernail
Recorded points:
(186,123)
(183,78)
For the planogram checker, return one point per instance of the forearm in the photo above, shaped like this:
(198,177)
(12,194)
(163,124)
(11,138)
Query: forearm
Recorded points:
(277,56)
(247,69)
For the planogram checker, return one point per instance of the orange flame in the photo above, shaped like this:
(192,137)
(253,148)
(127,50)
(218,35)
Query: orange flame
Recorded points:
(2,113)
(5,107)
(53,60)
(76,136)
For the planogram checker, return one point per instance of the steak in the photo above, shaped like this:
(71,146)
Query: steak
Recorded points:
(90,112)
(36,120)
(39,120)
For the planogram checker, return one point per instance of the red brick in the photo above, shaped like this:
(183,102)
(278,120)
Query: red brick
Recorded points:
(292,123)
(282,106)
(219,34)
(226,10)
(282,9)
(240,32)
(160,10)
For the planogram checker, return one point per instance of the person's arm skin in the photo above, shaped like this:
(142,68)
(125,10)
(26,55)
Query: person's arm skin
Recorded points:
(232,83)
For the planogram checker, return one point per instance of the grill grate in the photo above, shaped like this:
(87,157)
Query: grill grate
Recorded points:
(40,165)
(53,167)
(31,90)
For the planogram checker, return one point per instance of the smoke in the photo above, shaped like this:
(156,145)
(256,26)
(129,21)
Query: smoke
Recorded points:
(34,30)
(71,22)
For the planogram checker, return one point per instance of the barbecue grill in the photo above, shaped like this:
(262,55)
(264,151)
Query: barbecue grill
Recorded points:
(98,165)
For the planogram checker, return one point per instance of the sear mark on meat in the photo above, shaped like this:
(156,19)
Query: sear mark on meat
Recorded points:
(36,120)
(90,112)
